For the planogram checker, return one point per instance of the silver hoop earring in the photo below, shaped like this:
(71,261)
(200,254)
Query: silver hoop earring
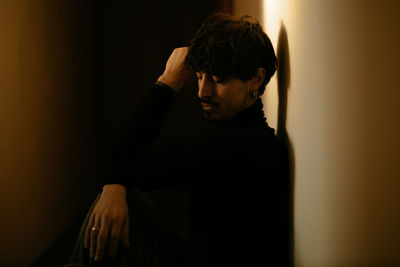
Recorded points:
(254,94)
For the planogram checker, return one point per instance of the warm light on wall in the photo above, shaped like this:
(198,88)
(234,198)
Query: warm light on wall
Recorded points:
(272,16)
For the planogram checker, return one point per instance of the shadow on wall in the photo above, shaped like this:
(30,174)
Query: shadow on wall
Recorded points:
(283,73)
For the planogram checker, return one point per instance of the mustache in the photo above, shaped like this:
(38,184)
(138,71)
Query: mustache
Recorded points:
(207,100)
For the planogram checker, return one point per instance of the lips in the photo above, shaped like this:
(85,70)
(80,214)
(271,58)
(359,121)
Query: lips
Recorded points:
(208,107)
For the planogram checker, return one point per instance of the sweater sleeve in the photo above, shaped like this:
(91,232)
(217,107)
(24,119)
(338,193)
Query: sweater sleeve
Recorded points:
(133,145)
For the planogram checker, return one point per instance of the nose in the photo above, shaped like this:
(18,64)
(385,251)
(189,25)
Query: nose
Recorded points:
(206,87)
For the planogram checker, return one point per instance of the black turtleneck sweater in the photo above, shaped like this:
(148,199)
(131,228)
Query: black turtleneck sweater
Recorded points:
(237,174)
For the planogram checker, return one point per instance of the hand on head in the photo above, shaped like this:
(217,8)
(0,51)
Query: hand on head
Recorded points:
(176,74)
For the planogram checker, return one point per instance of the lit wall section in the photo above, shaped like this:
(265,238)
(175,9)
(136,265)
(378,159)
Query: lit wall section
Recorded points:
(343,126)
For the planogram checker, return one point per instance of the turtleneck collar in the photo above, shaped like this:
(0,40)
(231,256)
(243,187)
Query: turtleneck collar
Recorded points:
(251,115)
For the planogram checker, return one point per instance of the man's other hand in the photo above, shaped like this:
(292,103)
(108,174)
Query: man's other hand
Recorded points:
(176,74)
(109,222)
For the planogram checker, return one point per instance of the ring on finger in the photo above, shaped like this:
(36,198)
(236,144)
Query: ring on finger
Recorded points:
(95,229)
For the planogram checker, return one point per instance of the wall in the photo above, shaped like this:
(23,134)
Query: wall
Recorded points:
(70,73)
(339,70)
(45,123)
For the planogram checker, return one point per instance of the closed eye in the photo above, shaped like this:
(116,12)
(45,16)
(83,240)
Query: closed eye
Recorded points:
(212,78)
(217,79)
(199,76)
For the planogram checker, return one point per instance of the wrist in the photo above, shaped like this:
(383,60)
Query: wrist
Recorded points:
(174,84)
(114,188)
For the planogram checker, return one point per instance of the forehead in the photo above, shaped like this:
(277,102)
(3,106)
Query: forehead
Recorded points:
(211,75)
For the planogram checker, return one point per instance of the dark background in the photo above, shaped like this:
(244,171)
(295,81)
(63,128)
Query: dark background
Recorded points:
(126,45)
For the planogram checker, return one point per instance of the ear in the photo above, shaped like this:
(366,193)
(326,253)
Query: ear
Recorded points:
(258,79)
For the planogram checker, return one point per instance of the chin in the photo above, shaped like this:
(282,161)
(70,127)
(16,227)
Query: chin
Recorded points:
(210,117)
(213,117)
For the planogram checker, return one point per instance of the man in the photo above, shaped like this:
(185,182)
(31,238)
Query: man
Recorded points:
(237,174)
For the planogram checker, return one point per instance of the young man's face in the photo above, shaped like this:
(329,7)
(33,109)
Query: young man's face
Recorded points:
(222,100)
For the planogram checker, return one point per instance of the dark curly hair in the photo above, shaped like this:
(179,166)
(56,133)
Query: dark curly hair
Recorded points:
(228,47)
